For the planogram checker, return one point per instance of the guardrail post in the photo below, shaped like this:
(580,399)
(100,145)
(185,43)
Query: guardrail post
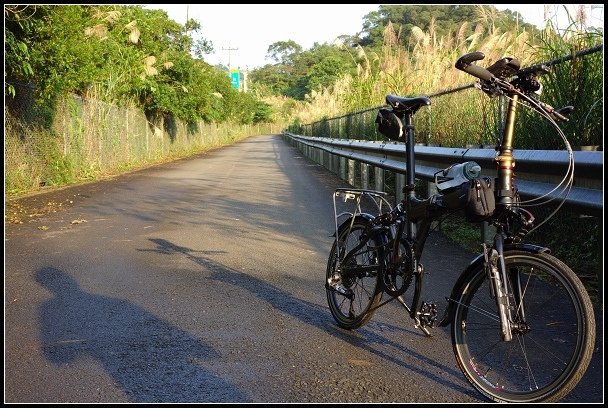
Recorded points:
(336,164)
(364,175)
(431,188)
(487,232)
(351,172)
(399,184)
(343,168)
(378,179)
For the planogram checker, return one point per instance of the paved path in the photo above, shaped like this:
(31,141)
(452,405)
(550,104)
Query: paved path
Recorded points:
(202,281)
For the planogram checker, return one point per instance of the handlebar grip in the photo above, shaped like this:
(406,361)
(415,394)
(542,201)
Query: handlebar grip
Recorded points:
(479,72)
(468,58)
(464,64)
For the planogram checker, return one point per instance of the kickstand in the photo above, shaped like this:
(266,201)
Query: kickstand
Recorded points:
(417,322)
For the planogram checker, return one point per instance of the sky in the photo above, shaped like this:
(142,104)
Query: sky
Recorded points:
(242,33)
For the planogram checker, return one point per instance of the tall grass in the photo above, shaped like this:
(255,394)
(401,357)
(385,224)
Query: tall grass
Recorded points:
(577,82)
(467,117)
(426,67)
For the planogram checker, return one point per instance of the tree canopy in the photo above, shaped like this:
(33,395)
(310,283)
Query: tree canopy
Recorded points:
(120,54)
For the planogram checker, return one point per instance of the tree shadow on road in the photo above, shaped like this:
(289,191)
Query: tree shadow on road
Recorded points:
(150,359)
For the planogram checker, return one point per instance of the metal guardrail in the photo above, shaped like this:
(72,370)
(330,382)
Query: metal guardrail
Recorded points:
(537,171)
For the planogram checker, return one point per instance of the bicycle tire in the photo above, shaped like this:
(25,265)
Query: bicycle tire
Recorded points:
(366,288)
(541,364)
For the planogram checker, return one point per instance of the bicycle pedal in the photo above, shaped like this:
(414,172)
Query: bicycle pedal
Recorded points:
(427,314)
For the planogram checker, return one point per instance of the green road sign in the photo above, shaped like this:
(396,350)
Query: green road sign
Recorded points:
(235,77)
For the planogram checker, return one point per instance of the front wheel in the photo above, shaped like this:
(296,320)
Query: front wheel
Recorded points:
(553,331)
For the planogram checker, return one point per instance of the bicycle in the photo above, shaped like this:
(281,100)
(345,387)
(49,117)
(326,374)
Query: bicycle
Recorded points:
(521,322)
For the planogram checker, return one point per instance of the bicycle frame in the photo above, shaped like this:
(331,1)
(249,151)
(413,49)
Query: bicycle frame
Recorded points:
(420,214)
(413,223)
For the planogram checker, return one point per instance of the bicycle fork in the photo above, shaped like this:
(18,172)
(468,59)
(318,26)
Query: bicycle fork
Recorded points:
(498,283)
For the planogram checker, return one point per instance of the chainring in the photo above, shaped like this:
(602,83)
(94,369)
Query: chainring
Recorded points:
(398,277)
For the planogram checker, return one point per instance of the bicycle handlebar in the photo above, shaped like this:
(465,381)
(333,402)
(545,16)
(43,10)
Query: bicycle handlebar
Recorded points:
(494,74)
(467,59)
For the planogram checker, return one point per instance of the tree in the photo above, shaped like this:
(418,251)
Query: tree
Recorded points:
(325,72)
(298,72)
(284,52)
(18,20)
(119,54)
(448,19)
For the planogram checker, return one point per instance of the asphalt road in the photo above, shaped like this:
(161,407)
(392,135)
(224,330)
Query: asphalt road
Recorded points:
(202,280)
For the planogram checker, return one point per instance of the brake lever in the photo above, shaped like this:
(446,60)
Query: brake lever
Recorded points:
(558,115)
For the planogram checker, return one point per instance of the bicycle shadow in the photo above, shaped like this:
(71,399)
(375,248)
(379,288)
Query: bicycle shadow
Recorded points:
(150,359)
(313,314)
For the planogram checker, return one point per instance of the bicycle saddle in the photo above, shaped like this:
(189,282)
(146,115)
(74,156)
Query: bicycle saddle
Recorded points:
(400,103)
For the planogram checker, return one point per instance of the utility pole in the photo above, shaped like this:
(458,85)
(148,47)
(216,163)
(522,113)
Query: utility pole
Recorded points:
(186,23)
(245,78)
(229,49)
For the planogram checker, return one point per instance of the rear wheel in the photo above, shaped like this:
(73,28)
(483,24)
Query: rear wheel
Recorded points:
(553,331)
(353,287)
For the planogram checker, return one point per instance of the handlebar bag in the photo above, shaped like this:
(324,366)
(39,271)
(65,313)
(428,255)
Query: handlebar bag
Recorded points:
(480,201)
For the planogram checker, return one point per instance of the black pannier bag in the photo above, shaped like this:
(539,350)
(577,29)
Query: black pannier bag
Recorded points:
(480,200)
(390,125)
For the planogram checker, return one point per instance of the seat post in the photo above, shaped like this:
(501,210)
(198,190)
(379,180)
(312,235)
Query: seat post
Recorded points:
(410,170)
(410,164)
